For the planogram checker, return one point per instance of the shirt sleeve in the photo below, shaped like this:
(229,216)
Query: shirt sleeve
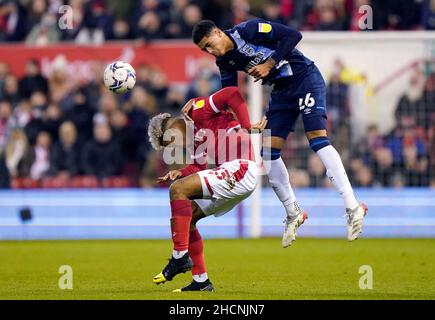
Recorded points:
(230,97)
(259,30)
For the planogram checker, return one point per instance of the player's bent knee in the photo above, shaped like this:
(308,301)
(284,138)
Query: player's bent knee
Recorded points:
(319,142)
(176,191)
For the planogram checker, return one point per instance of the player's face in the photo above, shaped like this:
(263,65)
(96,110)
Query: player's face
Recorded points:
(214,43)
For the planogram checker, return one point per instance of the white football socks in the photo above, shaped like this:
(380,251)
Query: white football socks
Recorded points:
(338,176)
(177,254)
(200,277)
(279,180)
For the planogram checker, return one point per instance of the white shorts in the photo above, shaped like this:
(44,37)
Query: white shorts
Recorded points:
(226,186)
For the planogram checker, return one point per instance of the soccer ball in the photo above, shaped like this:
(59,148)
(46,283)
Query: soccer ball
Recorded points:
(119,77)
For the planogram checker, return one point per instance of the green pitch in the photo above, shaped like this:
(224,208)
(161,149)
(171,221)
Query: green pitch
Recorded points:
(239,269)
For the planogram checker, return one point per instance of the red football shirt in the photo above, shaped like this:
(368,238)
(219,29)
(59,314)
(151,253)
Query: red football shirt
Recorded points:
(218,123)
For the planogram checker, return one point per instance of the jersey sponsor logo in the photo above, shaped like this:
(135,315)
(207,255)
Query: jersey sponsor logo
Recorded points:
(247,49)
(198,104)
(264,27)
(256,61)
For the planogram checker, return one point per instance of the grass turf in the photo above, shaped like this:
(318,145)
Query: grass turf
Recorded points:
(239,269)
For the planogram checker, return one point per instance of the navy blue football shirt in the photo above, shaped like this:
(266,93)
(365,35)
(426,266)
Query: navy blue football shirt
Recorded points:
(257,40)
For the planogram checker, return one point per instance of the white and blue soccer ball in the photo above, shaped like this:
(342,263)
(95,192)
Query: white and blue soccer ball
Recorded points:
(119,77)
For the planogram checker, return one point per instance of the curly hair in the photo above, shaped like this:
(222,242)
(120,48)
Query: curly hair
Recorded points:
(155,129)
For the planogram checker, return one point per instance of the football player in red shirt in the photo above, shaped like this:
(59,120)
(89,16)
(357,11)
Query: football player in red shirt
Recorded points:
(220,125)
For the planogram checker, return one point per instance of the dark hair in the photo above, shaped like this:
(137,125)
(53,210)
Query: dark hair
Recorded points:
(202,29)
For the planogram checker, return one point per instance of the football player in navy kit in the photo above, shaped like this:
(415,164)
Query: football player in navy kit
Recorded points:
(266,51)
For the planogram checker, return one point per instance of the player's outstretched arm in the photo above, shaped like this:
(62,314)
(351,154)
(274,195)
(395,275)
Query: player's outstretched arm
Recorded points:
(230,97)
(186,109)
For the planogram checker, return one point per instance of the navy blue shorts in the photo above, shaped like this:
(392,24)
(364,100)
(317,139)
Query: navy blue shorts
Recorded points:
(306,95)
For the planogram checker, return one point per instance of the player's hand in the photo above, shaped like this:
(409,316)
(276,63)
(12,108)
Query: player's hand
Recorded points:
(185,110)
(262,70)
(171,175)
(259,126)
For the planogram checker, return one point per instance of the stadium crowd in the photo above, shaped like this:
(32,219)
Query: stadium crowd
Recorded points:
(94,21)
(54,132)
(403,156)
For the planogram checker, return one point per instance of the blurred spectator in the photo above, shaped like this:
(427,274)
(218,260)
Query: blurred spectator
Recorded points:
(206,80)
(5,179)
(150,27)
(98,20)
(240,10)
(316,171)
(10,91)
(101,156)
(143,73)
(364,177)
(120,31)
(327,14)
(411,103)
(23,113)
(428,15)
(12,21)
(41,156)
(175,18)
(368,145)
(431,147)
(65,156)
(299,178)
(133,147)
(5,122)
(81,115)
(18,154)
(398,181)
(4,70)
(98,23)
(404,135)
(45,32)
(108,103)
(32,80)
(383,166)
(43,118)
(338,100)
(191,15)
(218,11)
(175,99)
(271,11)
(35,13)
(414,155)
(149,20)
(158,85)
(426,117)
